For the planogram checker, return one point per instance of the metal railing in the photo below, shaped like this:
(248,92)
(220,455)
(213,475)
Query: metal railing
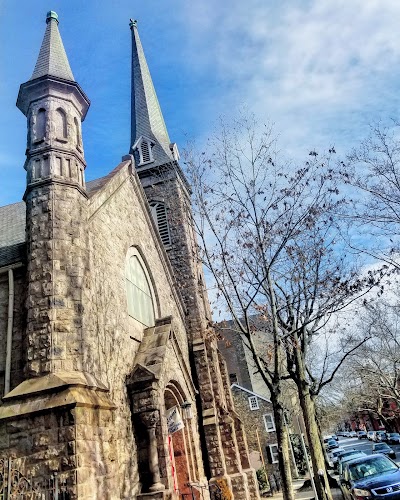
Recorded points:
(15,485)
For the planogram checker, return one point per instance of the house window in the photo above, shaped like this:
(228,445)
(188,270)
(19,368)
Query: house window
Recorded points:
(233,378)
(253,403)
(273,450)
(139,292)
(269,422)
(159,213)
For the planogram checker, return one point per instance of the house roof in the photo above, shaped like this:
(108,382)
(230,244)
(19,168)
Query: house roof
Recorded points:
(251,393)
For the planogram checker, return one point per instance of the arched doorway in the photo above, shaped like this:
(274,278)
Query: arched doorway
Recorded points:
(180,443)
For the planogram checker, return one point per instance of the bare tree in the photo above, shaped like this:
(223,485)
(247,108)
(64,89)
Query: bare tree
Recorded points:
(376,365)
(374,170)
(270,241)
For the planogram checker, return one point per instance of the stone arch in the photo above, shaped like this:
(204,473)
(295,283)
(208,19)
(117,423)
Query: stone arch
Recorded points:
(182,459)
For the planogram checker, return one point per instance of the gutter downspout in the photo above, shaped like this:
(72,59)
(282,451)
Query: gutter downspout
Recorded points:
(9,331)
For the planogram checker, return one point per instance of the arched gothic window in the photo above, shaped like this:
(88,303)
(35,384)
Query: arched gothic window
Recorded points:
(41,124)
(159,213)
(139,289)
(60,123)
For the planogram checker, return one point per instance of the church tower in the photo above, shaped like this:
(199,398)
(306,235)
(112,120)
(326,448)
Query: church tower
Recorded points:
(168,193)
(56,201)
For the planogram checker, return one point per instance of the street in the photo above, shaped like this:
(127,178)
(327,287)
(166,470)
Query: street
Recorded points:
(366,446)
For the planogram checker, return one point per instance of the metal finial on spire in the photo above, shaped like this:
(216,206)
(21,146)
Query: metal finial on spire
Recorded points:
(133,23)
(51,15)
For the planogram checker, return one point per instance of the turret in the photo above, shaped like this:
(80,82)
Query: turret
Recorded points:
(56,202)
(55,106)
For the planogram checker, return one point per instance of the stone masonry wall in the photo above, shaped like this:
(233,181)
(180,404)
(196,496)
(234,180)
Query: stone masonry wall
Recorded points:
(75,443)
(253,421)
(118,220)
(57,254)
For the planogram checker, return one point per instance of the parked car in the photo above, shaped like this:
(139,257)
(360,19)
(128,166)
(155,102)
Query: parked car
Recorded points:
(353,434)
(393,437)
(373,476)
(383,448)
(331,444)
(333,457)
(370,435)
(328,438)
(342,460)
(362,435)
(380,436)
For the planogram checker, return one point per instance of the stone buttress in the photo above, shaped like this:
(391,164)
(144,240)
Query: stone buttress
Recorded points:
(168,193)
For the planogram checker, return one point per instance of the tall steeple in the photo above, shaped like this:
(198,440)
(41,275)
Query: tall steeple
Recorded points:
(150,141)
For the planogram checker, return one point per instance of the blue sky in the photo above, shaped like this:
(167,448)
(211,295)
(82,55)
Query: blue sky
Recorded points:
(320,70)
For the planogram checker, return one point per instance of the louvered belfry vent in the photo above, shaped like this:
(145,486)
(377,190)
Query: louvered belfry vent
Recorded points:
(145,149)
(159,213)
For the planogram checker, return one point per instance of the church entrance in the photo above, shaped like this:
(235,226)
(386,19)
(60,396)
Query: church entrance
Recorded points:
(180,446)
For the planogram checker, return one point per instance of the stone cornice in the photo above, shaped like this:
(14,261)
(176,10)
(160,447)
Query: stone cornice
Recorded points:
(50,180)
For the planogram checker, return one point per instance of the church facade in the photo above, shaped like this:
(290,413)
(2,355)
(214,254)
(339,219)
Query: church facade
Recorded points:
(110,374)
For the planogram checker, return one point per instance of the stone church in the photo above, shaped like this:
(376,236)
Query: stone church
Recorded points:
(105,327)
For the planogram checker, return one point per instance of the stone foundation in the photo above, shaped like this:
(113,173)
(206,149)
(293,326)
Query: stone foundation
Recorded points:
(68,431)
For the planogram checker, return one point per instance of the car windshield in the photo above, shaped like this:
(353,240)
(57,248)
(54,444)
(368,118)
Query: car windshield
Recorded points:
(394,434)
(337,452)
(374,466)
(381,446)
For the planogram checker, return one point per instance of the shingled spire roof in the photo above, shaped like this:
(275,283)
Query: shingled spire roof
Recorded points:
(146,119)
(52,58)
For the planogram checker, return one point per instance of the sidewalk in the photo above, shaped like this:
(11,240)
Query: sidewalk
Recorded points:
(307,494)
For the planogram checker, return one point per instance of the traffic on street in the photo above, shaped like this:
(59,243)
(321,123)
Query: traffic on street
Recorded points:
(365,464)
(366,446)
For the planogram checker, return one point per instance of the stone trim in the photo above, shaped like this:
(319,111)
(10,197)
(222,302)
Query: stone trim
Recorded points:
(72,396)
(53,181)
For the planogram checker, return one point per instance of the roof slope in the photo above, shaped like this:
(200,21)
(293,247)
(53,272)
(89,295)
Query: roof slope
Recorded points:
(147,118)
(13,220)
(52,58)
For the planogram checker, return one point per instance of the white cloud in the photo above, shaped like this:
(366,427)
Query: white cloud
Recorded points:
(306,65)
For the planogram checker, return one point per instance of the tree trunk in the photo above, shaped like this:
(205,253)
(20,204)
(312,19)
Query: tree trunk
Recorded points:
(314,442)
(283,449)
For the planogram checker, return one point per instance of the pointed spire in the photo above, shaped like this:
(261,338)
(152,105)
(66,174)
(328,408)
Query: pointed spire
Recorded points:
(52,58)
(147,119)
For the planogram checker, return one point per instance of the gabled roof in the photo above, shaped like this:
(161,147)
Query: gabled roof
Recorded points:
(52,58)
(251,393)
(13,220)
(147,119)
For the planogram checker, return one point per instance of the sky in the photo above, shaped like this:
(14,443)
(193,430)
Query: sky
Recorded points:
(321,71)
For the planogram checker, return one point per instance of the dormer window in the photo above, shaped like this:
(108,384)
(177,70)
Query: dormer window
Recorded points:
(143,149)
